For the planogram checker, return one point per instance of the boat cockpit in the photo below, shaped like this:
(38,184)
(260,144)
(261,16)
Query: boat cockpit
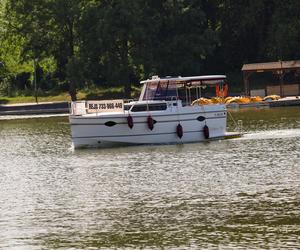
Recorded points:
(186,89)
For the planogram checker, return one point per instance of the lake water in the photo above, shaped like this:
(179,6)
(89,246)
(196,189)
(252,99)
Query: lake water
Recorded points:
(240,193)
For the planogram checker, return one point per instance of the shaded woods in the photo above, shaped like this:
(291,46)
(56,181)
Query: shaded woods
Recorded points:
(79,44)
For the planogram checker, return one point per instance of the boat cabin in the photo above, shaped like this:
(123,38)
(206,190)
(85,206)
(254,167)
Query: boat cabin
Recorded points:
(186,89)
(158,94)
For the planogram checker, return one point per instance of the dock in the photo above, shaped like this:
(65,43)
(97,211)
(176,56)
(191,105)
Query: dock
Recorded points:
(284,102)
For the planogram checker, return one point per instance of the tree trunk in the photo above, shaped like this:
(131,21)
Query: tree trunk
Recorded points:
(72,84)
(127,89)
(72,91)
(126,70)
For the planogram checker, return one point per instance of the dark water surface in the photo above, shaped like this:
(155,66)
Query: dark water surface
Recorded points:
(241,193)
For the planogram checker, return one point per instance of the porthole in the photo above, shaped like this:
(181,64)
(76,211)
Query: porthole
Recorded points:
(201,118)
(110,123)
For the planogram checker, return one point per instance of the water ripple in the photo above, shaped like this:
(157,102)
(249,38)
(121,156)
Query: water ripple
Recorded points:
(241,193)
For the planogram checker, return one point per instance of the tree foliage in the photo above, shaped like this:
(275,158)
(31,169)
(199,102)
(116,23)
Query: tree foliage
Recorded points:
(118,42)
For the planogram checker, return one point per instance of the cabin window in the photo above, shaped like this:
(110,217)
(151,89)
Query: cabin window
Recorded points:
(156,107)
(151,107)
(139,108)
(127,107)
(160,91)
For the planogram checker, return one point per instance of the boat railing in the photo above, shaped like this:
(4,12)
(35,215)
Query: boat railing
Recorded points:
(78,108)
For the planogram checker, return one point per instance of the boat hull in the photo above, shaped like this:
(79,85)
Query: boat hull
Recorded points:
(109,130)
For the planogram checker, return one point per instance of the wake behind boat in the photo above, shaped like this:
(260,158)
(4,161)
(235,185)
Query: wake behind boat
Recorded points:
(166,112)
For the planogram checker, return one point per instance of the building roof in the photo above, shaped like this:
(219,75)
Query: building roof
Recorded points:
(271,66)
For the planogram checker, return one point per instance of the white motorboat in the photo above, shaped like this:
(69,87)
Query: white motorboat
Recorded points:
(166,112)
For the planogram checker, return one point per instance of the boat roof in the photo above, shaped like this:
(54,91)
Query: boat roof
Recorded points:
(180,79)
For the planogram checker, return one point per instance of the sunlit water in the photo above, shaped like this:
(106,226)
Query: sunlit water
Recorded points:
(240,193)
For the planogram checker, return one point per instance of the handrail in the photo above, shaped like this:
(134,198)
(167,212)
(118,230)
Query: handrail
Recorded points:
(74,108)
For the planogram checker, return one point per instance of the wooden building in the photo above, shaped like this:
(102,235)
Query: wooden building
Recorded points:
(279,68)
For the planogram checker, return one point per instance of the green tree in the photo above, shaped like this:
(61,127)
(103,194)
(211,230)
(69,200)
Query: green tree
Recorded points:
(48,28)
(243,31)
(183,38)
(118,42)
(134,39)
(14,72)
(109,32)
(284,32)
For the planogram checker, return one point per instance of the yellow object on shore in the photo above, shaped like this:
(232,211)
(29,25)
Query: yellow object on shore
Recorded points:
(272,98)
(227,99)
(255,99)
(232,99)
(217,100)
(238,99)
(202,101)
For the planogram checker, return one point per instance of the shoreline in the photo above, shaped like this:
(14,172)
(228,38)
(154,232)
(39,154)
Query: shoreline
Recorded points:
(52,108)
(34,108)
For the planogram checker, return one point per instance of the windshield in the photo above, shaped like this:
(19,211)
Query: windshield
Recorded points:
(159,91)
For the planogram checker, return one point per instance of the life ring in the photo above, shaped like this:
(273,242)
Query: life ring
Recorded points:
(179,131)
(150,122)
(206,132)
(130,121)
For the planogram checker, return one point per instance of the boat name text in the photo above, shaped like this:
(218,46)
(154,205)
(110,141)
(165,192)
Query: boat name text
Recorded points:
(105,106)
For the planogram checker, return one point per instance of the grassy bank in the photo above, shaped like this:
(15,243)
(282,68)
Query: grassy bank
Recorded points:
(31,99)
(85,94)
